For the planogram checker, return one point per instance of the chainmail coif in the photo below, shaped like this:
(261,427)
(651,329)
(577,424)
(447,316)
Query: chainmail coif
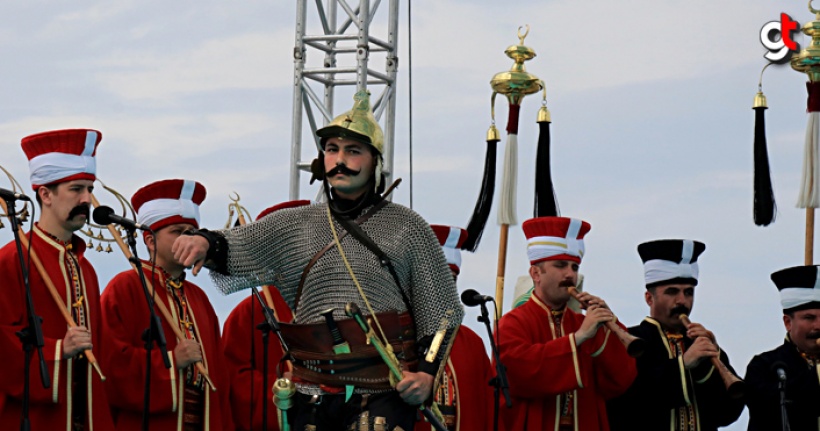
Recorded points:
(276,249)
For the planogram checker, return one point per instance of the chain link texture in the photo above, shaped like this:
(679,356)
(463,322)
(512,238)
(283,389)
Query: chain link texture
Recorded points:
(275,250)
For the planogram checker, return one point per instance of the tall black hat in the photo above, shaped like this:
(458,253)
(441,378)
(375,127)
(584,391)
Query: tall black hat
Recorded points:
(670,261)
(799,288)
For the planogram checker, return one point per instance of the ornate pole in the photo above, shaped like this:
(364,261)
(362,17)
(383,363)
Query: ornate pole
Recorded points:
(808,62)
(515,84)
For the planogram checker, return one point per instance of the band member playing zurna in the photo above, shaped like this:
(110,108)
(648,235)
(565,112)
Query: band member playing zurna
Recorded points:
(786,378)
(678,387)
(356,248)
(63,170)
(242,340)
(180,397)
(562,366)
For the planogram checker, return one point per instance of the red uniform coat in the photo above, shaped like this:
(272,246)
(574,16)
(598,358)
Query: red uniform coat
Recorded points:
(467,379)
(244,356)
(49,408)
(541,367)
(125,314)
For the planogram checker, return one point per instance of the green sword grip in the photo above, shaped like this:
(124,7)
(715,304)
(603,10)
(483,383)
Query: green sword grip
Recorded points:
(388,357)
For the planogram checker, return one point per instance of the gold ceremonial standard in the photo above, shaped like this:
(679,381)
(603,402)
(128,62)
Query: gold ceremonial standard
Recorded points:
(808,60)
(514,84)
(517,82)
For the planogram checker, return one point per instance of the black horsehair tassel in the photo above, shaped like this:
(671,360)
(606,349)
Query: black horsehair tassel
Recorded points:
(764,205)
(484,202)
(546,203)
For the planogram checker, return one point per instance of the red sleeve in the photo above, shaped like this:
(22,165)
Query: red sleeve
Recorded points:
(614,368)
(531,356)
(245,364)
(218,369)
(13,318)
(483,390)
(125,316)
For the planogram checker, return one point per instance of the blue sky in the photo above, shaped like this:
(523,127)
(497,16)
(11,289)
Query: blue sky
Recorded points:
(651,133)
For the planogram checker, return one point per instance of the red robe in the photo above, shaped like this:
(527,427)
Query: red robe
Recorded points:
(466,384)
(541,367)
(244,355)
(125,314)
(48,408)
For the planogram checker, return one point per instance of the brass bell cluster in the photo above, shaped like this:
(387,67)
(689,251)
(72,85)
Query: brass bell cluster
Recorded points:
(99,237)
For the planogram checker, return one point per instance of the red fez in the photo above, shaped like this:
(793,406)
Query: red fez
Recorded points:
(168,202)
(61,155)
(452,240)
(555,238)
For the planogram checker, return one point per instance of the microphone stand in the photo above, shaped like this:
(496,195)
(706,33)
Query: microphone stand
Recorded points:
(270,324)
(152,333)
(784,416)
(499,382)
(32,335)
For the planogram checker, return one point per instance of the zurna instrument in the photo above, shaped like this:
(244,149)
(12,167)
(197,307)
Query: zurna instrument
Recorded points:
(735,387)
(634,346)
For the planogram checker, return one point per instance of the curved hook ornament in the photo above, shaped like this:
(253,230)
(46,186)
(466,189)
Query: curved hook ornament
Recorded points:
(492,133)
(521,37)
(813,10)
(242,213)
(232,198)
(492,106)
(24,213)
(544,92)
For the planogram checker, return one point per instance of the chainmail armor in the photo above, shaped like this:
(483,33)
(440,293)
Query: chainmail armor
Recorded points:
(276,249)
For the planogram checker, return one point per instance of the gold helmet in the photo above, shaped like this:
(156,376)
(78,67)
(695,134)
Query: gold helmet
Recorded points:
(357,123)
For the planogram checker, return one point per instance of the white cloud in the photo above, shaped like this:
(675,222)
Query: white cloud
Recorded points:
(242,61)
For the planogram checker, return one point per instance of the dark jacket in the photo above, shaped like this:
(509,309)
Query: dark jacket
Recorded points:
(663,385)
(763,394)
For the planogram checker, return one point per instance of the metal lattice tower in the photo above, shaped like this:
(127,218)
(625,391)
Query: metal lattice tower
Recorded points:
(344,43)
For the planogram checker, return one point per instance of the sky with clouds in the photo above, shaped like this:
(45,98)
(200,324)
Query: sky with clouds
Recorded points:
(651,134)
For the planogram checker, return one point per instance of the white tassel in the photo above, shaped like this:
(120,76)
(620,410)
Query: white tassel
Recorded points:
(506,206)
(810,181)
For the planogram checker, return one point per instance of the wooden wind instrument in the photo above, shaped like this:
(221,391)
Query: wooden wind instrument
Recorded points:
(160,305)
(634,346)
(52,289)
(735,387)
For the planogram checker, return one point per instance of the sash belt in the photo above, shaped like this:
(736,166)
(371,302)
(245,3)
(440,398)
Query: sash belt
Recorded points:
(311,346)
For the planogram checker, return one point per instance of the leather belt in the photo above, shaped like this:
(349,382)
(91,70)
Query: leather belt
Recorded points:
(311,346)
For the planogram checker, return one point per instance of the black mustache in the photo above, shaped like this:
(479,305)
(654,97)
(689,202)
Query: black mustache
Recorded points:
(79,210)
(813,335)
(342,169)
(567,283)
(680,309)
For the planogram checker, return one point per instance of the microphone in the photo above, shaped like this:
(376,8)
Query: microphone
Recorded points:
(780,368)
(10,196)
(105,215)
(471,298)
